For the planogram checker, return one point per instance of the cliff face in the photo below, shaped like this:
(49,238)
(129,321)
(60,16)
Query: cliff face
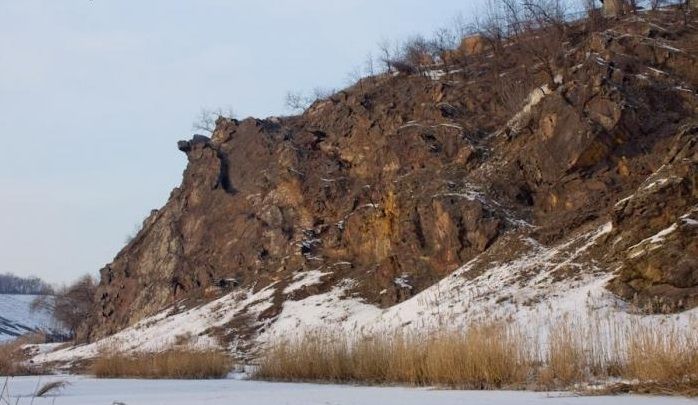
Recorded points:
(401,179)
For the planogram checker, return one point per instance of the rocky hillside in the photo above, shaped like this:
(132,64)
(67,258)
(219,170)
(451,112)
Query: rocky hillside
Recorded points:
(505,175)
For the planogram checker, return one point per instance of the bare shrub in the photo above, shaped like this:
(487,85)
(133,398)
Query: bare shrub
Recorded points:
(546,33)
(206,120)
(12,360)
(412,56)
(297,101)
(491,25)
(512,92)
(595,19)
(443,43)
(70,305)
(180,363)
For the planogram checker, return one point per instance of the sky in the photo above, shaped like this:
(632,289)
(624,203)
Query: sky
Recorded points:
(94,95)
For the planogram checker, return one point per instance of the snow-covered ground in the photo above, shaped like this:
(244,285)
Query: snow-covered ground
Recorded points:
(535,288)
(17,318)
(90,391)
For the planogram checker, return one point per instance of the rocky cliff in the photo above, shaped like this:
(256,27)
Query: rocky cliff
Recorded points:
(401,179)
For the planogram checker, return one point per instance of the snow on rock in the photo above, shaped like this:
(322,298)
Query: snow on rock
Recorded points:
(657,240)
(305,279)
(519,120)
(524,290)
(534,287)
(403,282)
(651,243)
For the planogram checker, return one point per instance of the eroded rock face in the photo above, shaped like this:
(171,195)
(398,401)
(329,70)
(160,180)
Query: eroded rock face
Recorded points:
(398,181)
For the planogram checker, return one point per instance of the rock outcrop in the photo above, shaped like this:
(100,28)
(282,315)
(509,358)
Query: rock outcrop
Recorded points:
(399,180)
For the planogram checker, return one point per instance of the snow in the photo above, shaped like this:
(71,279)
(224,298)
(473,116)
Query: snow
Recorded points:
(534,288)
(657,71)
(654,241)
(415,124)
(521,291)
(89,391)
(686,218)
(628,198)
(403,282)
(17,318)
(658,183)
(165,328)
(305,279)
(437,74)
(671,48)
(517,122)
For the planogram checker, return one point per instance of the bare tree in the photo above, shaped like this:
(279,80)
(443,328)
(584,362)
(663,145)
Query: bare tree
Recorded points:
(355,77)
(443,44)
(206,120)
(70,305)
(369,66)
(655,4)
(684,10)
(594,15)
(296,101)
(461,27)
(513,15)
(547,14)
(11,284)
(322,93)
(416,51)
(490,25)
(386,54)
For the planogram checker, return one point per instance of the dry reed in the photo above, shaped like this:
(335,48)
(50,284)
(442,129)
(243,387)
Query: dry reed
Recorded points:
(176,363)
(655,358)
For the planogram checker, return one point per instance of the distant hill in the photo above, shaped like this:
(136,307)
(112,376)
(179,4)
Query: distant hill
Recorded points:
(17,318)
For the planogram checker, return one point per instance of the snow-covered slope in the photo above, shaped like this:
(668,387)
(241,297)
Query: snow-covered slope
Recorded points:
(534,289)
(17,318)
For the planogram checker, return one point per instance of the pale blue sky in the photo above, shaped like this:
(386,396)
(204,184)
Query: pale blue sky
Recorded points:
(95,94)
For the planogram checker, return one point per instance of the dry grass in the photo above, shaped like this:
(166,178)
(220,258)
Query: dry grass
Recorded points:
(494,356)
(13,359)
(484,357)
(176,363)
(664,361)
(52,387)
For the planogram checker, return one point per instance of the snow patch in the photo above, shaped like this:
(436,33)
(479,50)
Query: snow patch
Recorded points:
(521,118)
(17,317)
(653,241)
(163,330)
(305,279)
